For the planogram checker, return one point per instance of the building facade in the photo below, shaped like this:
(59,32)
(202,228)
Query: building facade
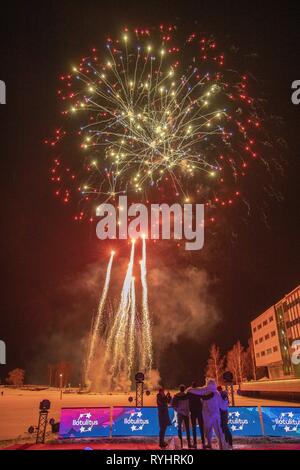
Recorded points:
(276,337)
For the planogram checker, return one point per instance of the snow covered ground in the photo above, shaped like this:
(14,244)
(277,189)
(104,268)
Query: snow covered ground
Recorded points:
(19,407)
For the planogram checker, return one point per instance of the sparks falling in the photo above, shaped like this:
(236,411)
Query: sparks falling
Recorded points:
(96,327)
(146,326)
(128,341)
(131,334)
(117,339)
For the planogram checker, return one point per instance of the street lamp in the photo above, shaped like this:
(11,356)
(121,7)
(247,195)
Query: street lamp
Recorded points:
(60,384)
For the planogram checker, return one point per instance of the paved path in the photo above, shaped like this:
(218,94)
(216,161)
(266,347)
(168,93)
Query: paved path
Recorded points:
(143,446)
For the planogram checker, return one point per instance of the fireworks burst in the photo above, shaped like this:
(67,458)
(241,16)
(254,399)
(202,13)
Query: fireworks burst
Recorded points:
(155,114)
(158,117)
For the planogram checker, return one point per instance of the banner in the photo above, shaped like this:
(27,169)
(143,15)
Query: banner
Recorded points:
(84,422)
(281,421)
(244,421)
(129,421)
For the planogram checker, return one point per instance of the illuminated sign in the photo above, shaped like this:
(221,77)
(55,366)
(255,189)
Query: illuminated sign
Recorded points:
(84,422)
(129,421)
(244,421)
(281,421)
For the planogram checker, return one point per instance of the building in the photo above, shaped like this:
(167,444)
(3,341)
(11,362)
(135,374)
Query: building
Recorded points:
(288,314)
(276,337)
(266,343)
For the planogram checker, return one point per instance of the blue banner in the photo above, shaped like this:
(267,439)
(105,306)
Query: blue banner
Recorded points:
(129,421)
(244,421)
(281,421)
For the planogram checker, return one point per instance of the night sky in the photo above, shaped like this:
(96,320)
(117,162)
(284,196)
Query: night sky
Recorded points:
(43,250)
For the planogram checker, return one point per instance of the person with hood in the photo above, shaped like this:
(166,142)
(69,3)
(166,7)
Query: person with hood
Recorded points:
(210,411)
(162,400)
(181,405)
(224,404)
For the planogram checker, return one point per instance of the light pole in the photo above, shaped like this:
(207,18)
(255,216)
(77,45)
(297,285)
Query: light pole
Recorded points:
(60,384)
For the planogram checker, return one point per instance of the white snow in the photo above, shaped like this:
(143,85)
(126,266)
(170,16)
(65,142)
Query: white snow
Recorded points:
(19,407)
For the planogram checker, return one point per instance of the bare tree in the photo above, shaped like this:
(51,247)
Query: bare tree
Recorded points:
(236,362)
(215,364)
(249,361)
(16,377)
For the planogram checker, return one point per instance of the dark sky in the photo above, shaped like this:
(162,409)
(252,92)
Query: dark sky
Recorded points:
(42,249)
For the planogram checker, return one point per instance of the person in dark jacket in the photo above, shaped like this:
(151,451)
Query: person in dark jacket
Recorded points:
(180,403)
(162,400)
(195,403)
(224,404)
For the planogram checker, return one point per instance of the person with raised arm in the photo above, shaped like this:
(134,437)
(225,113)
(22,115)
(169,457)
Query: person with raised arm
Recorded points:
(210,411)
(163,399)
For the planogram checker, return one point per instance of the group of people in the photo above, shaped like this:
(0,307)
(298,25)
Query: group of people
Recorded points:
(206,407)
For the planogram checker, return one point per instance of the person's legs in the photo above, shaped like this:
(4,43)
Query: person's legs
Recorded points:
(194,427)
(223,423)
(187,428)
(225,427)
(228,435)
(208,429)
(201,427)
(179,420)
(216,426)
(162,433)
